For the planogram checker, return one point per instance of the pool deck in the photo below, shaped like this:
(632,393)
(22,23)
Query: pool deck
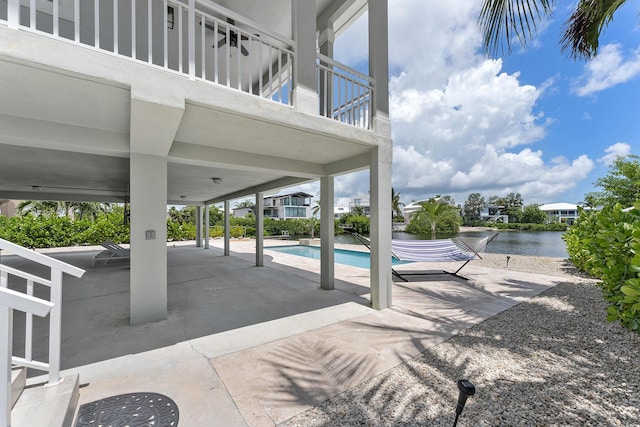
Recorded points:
(245,345)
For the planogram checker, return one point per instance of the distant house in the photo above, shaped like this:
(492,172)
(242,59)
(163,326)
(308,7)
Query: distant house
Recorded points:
(560,212)
(338,211)
(288,206)
(8,207)
(360,202)
(243,211)
(493,213)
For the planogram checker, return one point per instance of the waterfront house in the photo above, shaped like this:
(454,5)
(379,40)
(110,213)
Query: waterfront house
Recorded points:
(560,212)
(193,102)
(288,206)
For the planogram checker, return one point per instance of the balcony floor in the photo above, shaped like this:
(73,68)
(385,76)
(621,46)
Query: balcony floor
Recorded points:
(244,345)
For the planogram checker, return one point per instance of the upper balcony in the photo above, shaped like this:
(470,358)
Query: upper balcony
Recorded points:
(234,44)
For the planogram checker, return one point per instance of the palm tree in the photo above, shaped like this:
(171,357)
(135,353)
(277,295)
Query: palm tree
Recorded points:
(519,19)
(432,212)
(316,208)
(396,204)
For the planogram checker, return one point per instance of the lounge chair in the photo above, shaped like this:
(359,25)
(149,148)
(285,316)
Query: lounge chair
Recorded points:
(441,250)
(112,251)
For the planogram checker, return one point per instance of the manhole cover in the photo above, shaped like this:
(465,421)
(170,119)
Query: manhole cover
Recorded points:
(130,410)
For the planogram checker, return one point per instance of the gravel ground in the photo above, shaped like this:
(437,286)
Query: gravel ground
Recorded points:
(550,361)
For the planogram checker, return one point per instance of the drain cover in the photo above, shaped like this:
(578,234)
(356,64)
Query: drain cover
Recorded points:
(129,410)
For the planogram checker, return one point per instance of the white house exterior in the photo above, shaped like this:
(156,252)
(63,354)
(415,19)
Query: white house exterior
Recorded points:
(560,212)
(360,202)
(288,206)
(193,102)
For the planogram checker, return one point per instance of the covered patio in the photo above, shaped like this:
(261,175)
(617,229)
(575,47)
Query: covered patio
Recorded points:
(247,345)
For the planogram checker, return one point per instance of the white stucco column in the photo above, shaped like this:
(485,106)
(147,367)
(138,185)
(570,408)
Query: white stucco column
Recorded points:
(259,229)
(227,228)
(379,58)
(380,177)
(198,227)
(206,226)
(305,89)
(325,94)
(148,180)
(327,237)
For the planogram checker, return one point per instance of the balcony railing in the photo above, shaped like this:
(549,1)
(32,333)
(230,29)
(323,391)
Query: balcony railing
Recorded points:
(345,94)
(199,39)
(195,37)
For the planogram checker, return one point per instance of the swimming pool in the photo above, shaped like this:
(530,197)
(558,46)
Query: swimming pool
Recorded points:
(341,256)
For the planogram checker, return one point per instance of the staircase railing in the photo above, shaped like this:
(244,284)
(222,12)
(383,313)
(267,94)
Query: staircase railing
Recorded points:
(10,301)
(57,269)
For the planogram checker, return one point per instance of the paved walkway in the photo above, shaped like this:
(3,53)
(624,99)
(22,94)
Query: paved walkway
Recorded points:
(246,345)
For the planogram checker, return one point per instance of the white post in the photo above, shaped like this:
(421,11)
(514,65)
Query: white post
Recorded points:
(380,184)
(148,293)
(327,237)
(198,227)
(227,228)
(55,327)
(206,227)
(6,354)
(259,229)
(305,88)
(13,15)
(192,39)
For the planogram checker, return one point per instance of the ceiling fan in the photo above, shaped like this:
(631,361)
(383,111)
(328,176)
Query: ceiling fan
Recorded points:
(233,37)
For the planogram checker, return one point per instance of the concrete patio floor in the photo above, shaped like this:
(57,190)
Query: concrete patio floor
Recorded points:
(246,345)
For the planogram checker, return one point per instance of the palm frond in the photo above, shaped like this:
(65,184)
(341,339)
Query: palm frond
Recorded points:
(582,29)
(501,21)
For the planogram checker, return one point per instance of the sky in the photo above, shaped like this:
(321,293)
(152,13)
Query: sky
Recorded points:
(532,121)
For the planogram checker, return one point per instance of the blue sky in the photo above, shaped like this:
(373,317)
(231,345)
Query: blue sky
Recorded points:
(533,121)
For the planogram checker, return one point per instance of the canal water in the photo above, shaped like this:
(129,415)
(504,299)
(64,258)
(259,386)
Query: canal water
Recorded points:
(538,243)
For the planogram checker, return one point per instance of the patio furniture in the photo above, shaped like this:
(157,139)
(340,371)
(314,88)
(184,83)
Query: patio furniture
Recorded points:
(112,251)
(440,250)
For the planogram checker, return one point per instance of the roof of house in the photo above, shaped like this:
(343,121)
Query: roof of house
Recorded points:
(558,207)
(298,194)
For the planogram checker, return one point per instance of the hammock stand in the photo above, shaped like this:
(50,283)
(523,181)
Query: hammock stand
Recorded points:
(440,250)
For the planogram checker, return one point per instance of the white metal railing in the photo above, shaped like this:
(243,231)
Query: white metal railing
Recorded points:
(57,269)
(10,301)
(346,95)
(198,38)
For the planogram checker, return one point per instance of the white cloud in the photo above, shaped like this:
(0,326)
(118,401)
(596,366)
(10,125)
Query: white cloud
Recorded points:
(460,124)
(608,69)
(613,151)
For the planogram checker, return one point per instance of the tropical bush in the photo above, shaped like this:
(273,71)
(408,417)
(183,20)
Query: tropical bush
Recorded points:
(606,244)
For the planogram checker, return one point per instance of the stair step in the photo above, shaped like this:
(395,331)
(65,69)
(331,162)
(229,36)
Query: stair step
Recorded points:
(18,381)
(50,406)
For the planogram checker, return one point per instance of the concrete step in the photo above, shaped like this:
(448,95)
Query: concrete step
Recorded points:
(18,381)
(47,406)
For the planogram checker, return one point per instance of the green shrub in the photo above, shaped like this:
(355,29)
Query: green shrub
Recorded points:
(606,244)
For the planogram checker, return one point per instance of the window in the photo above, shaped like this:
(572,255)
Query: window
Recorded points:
(294,212)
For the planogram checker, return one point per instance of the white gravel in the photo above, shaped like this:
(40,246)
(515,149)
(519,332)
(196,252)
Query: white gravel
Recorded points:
(551,361)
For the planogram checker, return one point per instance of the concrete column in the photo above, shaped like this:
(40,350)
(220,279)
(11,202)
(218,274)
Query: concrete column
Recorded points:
(379,59)
(206,226)
(325,94)
(327,237)
(380,177)
(198,227)
(148,180)
(227,228)
(305,88)
(259,229)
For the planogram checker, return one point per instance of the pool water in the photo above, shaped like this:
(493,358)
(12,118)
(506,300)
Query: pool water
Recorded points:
(341,256)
